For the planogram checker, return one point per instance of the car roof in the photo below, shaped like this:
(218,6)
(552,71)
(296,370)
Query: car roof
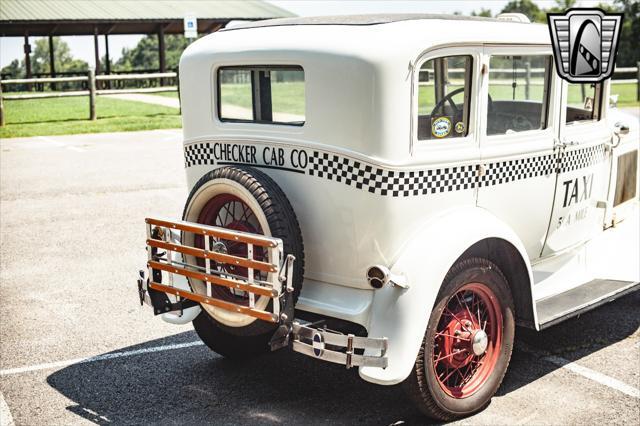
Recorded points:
(372,39)
(367,19)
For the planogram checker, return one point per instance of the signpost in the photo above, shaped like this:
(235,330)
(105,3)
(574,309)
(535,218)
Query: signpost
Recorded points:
(190,26)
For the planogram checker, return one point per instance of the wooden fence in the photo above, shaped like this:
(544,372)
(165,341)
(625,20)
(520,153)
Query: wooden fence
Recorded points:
(91,81)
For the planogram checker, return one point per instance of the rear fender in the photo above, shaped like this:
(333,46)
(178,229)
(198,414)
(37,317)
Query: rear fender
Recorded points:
(402,315)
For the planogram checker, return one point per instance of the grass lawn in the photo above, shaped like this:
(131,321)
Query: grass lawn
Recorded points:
(627,94)
(166,94)
(61,116)
(287,97)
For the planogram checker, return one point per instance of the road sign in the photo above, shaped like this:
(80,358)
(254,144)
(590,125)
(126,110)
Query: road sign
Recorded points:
(190,26)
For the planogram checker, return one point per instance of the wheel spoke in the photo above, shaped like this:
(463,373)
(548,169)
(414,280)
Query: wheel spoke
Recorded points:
(449,375)
(447,356)
(458,319)
(453,337)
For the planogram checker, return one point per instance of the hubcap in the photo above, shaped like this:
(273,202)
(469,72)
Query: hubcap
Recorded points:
(479,342)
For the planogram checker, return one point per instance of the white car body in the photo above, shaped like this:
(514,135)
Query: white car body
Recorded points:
(483,193)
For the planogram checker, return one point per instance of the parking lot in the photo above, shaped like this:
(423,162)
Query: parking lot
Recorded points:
(75,346)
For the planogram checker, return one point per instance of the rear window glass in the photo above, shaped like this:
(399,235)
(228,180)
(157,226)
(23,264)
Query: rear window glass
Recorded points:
(262,94)
(444,89)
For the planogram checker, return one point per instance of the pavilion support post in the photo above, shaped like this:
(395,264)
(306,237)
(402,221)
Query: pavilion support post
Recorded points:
(52,63)
(27,57)
(96,50)
(161,52)
(107,60)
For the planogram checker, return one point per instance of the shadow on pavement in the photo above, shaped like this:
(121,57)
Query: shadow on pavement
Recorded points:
(195,386)
(572,340)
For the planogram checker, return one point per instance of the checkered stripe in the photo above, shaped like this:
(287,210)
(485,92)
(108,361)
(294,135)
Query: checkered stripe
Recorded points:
(522,168)
(581,158)
(198,154)
(405,183)
(395,183)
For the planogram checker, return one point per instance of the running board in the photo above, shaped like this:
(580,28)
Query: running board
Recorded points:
(555,309)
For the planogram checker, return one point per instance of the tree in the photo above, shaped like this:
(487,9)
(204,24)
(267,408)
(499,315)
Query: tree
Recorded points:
(483,12)
(40,59)
(628,52)
(526,7)
(144,56)
(12,70)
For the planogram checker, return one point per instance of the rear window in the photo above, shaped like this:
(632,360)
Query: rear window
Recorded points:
(262,94)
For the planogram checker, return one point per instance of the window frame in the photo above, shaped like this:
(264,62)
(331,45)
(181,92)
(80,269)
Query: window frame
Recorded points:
(597,105)
(255,91)
(545,119)
(468,93)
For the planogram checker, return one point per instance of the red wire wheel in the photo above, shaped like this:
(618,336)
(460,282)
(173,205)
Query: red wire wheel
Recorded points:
(467,346)
(242,199)
(230,212)
(467,342)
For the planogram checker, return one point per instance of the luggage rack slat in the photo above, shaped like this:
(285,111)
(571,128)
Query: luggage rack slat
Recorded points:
(199,229)
(218,257)
(263,291)
(256,313)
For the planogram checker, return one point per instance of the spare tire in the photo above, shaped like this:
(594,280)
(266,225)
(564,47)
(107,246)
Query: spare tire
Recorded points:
(242,199)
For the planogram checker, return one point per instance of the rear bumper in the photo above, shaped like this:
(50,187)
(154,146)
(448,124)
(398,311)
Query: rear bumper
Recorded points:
(344,349)
(166,287)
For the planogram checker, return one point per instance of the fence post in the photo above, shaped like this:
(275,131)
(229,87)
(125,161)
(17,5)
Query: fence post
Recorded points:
(638,81)
(1,107)
(92,94)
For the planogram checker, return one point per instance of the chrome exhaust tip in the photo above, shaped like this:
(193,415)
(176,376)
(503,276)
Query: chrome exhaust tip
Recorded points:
(378,276)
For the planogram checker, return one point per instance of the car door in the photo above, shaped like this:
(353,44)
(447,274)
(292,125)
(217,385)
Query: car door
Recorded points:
(583,168)
(520,101)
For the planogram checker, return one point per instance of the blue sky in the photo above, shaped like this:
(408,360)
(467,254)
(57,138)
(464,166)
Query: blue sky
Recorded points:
(82,47)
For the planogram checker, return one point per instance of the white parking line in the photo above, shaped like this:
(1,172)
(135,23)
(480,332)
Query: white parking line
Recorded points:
(65,363)
(594,375)
(6,419)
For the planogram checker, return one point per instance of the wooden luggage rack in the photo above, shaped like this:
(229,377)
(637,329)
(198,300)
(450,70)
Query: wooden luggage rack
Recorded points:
(180,258)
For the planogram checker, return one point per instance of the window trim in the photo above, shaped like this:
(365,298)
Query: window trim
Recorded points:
(255,92)
(469,87)
(546,94)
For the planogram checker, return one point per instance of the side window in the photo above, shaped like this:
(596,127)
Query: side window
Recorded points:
(583,102)
(262,94)
(444,90)
(518,93)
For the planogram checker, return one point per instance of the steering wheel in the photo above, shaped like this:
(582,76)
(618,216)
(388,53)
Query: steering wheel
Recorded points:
(448,97)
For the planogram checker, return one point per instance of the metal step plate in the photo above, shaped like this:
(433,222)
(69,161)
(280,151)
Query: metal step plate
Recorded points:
(558,308)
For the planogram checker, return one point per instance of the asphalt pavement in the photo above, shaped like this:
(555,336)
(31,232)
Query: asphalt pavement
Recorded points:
(72,239)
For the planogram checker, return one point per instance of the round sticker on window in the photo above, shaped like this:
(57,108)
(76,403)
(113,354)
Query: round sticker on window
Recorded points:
(441,127)
(459,127)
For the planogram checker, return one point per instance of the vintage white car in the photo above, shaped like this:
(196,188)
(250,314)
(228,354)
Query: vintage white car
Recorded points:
(393,193)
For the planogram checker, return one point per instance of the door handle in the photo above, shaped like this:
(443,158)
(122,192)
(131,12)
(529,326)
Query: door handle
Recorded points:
(621,128)
(563,143)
